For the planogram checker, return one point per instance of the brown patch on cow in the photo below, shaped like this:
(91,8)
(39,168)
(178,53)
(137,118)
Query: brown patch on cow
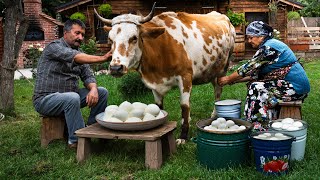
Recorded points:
(122,49)
(195,63)
(118,30)
(168,21)
(185,19)
(184,33)
(195,35)
(206,49)
(212,58)
(204,62)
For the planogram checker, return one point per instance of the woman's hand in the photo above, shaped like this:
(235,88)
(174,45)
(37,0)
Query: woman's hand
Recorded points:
(223,80)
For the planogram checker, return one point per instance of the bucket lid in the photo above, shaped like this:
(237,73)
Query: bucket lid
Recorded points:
(227,102)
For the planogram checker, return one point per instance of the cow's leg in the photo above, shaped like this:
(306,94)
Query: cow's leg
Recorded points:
(185,91)
(158,98)
(217,96)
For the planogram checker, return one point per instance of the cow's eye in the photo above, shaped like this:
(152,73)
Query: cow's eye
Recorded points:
(133,39)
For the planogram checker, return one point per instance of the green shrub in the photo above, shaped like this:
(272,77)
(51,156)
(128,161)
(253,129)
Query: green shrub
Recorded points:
(131,85)
(236,19)
(105,10)
(90,47)
(78,15)
(292,15)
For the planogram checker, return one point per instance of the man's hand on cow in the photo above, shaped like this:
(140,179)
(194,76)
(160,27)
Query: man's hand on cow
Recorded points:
(92,97)
(107,55)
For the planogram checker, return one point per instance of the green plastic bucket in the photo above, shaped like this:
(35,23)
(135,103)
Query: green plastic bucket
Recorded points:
(222,149)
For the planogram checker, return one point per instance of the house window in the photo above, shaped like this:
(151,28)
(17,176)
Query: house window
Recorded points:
(100,33)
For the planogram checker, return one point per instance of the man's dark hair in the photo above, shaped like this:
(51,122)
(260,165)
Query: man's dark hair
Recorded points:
(68,24)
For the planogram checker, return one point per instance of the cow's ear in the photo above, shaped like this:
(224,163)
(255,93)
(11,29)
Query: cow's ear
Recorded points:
(107,28)
(152,32)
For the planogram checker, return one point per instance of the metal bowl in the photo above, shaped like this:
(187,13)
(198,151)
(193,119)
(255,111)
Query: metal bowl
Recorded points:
(131,126)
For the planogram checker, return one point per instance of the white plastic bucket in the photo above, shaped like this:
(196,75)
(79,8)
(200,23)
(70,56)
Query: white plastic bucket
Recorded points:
(229,108)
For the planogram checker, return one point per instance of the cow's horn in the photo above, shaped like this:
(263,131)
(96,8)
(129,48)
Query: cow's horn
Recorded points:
(106,21)
(149,16)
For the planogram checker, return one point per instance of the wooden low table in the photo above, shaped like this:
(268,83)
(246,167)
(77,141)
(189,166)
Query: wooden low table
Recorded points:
(155,139)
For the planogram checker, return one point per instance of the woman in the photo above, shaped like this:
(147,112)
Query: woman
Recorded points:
(274,72)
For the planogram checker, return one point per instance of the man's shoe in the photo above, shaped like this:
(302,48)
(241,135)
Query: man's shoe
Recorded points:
(73,146)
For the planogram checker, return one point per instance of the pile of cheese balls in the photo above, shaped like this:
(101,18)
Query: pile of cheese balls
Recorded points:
(132,112)
(221,124)
(287,124)
(272,136)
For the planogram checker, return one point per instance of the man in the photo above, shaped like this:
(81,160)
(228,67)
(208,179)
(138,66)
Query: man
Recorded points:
(57,90)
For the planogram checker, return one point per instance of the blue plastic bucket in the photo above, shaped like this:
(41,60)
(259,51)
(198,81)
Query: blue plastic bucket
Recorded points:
(229,108)
(271,156)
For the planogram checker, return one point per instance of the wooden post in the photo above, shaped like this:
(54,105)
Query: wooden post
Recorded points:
(83,149)
(153,150)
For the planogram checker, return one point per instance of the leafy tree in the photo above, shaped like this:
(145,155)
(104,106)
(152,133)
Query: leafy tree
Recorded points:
(312,8)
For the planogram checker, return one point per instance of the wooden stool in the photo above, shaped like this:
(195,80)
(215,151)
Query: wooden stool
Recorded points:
(155,140)
(52,128)
(290,109)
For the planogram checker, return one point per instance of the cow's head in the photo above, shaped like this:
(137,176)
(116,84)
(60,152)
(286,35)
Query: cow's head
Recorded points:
(125,35)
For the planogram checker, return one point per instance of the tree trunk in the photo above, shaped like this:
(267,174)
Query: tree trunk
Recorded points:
(12,44)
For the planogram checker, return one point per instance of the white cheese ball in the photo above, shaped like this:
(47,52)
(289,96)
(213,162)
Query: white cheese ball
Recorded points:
(277,125)
(230,123)
(148,117)
(109,113)
(297,124)
(221,120)
(267,134)
(127,106)
(285,126)
(133,119)
(136,112)
(222,126)
(234,127)
(215,123)
(152,109)
(287,120)
(121,114)
(113,119)
(111,107)
(139,105)
(160,115)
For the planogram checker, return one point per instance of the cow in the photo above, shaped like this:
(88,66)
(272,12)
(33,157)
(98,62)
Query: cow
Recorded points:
(172,49)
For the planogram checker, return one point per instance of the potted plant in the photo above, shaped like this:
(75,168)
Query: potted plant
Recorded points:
(105,10)
(238,20)
(79,15)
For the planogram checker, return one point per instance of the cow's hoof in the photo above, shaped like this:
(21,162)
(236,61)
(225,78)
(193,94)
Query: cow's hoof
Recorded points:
(180,141)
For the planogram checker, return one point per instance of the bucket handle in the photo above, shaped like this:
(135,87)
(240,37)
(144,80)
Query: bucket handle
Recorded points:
(194,139)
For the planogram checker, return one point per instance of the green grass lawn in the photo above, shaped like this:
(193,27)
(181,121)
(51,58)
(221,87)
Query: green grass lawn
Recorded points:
(21,156)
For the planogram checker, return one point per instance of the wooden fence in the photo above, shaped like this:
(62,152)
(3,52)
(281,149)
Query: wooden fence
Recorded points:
(303,36)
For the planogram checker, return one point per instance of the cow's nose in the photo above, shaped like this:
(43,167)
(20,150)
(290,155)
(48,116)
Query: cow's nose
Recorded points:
(116,70)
